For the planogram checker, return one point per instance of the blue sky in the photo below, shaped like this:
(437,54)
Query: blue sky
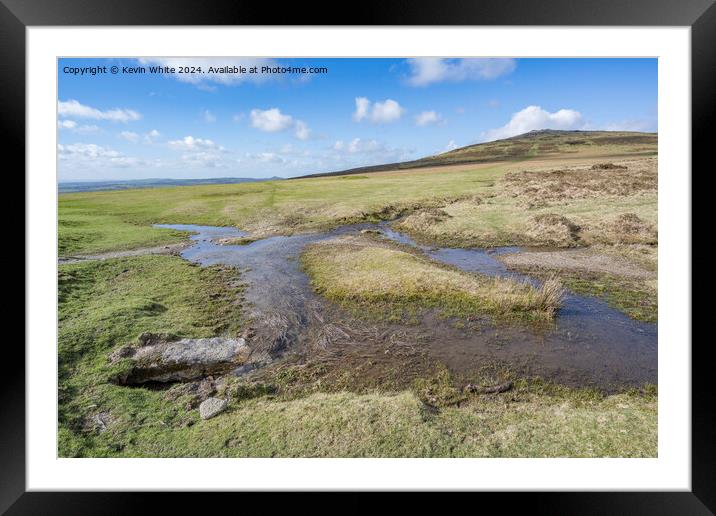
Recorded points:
(360,112)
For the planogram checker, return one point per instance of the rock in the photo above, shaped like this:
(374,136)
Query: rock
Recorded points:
(181,360)
(211,407)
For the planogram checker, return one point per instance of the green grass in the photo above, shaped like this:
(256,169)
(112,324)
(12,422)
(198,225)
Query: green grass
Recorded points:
(398,425)
(86,231)
(370,277)
(103,221)
(104,304)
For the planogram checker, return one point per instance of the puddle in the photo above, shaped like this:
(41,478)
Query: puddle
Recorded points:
(589,344)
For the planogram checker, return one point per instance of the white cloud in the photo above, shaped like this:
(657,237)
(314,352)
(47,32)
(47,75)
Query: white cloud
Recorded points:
(86,150)
(379,112)
(86,129)
(272,121)
(302,131)
(387,111)
(71,125)
(534,117)
(428,70)
(90,155)
(189,143)
(208,117)
(362,106)
(371,151)
(428,118)
(200,152)
(73,108)
(450,146)
(151,136)
(266,157)
(225,78)
(129,136)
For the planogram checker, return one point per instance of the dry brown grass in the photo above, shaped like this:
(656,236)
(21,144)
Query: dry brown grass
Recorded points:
(554,229)
(422,220)
(603,179)
(628,228)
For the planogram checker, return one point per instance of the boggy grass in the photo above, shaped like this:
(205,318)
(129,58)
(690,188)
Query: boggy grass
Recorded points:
(372,277)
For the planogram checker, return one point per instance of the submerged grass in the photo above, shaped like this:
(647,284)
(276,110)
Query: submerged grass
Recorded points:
(637,299)
(365,275)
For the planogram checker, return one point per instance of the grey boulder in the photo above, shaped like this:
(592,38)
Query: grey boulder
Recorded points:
(180,360)
(211,407)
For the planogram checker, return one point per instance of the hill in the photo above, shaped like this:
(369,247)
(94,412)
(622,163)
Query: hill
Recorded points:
(534,144)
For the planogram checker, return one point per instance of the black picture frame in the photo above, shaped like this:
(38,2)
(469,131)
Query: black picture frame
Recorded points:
(700,15)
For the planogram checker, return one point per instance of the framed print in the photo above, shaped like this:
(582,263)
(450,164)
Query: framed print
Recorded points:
(417,253)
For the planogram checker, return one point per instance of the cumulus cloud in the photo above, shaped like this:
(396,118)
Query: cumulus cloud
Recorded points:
(379,112)
(534,117)
(189,143)
(217,77)
(266,157)
(362,106)
(92,155)
(73,108)
(129,136)
(272,121)
(208,117)
(427,118)
(151,136)
(71,125)
(200,152)
(429,70)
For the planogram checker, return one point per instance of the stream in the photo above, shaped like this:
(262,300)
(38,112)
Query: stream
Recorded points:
(589,345)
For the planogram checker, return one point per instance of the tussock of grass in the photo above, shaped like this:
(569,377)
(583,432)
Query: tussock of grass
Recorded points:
(553,229)
(362,274)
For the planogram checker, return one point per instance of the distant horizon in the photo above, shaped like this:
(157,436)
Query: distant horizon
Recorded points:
(147,179)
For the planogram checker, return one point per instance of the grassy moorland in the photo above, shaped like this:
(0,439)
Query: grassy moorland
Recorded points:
(105,221)
(587,200)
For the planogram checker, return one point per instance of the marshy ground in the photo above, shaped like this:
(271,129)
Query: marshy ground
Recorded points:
(381,309)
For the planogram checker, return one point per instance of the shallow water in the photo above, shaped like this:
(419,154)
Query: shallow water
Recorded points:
(589,344)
